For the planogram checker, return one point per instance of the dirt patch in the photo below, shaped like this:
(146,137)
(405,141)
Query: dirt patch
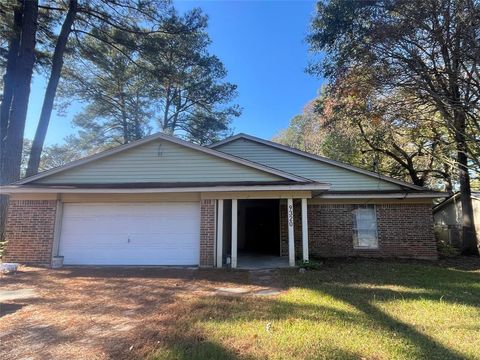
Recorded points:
(103,313)
(127,313)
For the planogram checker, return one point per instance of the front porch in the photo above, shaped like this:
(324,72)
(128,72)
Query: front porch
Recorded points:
(248,232)
(259,262)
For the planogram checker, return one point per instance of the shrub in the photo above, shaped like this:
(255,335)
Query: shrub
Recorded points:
(310,264)
(445,249)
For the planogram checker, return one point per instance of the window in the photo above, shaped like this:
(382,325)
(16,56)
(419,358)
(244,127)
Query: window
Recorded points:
(365,227)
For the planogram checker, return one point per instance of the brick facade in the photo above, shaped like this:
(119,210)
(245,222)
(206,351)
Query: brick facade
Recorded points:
(31,223)
(404,231)
(207,233)
(29,231)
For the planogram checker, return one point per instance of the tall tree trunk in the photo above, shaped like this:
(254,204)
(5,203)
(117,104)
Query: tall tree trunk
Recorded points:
(9,77)
(469,237)
(8,86)
(138,133)
(448,180)
(125,128)
(10,166)
(11,156)
(126,136)
(469,243)
(164,123)
(57,65)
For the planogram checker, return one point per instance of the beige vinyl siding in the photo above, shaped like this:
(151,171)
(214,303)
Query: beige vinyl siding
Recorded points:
(158,161)
(476,215)
(339,178)
(451,214)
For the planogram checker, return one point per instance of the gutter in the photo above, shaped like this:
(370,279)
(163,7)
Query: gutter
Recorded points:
(398,195)
(19,189)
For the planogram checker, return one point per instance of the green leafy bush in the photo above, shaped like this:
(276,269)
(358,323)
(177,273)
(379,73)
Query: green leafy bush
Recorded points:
(310,264)
(445,249)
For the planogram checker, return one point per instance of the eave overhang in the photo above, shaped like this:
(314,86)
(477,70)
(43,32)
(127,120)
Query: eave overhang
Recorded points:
(138,188)
(381,195)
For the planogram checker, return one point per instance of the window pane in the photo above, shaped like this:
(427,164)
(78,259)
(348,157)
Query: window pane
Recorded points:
(367,238)
(365,223)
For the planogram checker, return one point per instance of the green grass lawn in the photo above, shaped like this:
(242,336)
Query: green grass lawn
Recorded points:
(345,310)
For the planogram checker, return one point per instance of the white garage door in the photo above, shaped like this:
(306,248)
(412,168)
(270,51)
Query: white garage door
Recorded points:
(131,234)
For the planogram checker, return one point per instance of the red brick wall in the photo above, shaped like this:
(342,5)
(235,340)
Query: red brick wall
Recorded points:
(404,230)
(207,233)
(29,231)
(413,224)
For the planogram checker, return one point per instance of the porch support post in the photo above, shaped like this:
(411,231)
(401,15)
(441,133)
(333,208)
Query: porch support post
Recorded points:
(234,232)
(220,233)
(291,241)
(57,229)
(304,230)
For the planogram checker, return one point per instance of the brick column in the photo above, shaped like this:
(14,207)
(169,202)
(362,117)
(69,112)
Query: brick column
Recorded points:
(29,231)
(207,233)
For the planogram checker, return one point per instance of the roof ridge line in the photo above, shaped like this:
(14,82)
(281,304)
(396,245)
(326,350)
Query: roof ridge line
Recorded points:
(165,137)
(317,158)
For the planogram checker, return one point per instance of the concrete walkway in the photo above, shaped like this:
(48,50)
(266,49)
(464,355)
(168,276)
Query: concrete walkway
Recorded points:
(256,262)
(20,294)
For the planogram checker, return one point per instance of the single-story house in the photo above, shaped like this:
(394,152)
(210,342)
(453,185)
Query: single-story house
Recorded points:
(164,201)
(447,218)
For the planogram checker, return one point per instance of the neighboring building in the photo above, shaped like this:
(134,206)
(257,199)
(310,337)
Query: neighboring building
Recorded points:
(447,217)
(165,201)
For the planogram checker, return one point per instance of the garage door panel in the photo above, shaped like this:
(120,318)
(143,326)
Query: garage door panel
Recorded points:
(131,234)
(147,260)
(116,256)
(100,226)
(168,227)
(161,240)
(82,240)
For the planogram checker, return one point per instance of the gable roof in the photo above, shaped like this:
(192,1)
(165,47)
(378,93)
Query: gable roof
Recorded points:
(317,158)
(170,139)
(454,197)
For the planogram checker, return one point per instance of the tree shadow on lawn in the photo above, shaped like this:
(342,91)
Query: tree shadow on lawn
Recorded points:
(153,272)
(181,336)
(173,327)
(342,282)
(452,285)
(7,308)
(469,263)
(41,340)
(425,346)
(186,338)
(400,278)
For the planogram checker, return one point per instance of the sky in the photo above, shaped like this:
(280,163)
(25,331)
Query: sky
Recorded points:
(262,45)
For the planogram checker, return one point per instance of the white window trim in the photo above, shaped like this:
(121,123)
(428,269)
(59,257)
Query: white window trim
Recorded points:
(355,229)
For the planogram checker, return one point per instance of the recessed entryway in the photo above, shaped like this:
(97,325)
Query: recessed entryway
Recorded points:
(252,261)
(258,227)
(258,233)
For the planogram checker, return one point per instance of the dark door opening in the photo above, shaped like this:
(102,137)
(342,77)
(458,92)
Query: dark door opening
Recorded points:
(259,228)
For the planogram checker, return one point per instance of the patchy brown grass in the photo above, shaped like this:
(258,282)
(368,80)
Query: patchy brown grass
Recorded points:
(353,309)
(100,313)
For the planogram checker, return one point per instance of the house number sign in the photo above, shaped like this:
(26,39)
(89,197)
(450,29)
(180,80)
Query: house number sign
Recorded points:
(290,215)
